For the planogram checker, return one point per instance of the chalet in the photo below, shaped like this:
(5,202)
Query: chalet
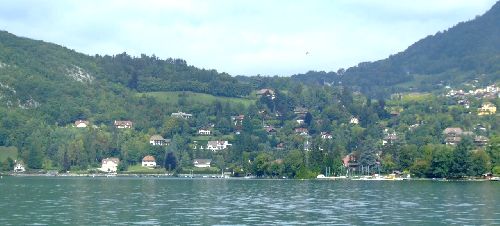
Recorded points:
(350,161)
(266,92)
(302,131)
(300,121)
(481,141)
(238,120)
(280,146)
(271,130)
(202,163)
(218,145)
(109,165)
(19,167)
(81,124)
(481,128)
(389,139)
(149,161)
(394,113)
(487,109)
(123,124)
(326,135)
(204,132)
(413,126)
(453,136)
(354,120)
(464,102)
(158,140)
(182,115)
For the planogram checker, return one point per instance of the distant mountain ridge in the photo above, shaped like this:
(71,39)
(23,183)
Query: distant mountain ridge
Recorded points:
(469,50)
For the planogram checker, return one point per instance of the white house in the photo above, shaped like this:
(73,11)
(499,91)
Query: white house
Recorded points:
(110,165)
(326,135)
(181,114)
(123,124)
(202,163)
(266,92)
(158,140)
(302,131)
(81,124)
(238,120)
(218,145)
(149,161)
(390,138)
(354,120)
(204,131)
(19,167)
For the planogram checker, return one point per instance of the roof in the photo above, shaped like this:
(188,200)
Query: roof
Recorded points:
(156,137)
(181,114)
(216,142)
(148,158)
(115,160)
(300,130)
(452,130)
(81,121)
(391,137)
(202,161)
(238,117)
(270,129)
(300,109)
(488,104)
(123,123)
(264,91)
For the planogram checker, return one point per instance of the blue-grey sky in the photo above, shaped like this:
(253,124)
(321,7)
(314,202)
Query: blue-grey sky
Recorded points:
(240,37)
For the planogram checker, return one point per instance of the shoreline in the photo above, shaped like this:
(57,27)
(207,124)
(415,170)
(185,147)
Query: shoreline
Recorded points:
(211,176)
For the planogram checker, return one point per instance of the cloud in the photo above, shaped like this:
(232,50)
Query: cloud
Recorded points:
(240,37)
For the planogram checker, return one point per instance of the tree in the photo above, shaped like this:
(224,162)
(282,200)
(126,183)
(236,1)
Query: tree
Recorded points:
(308,119)
(367,156)
(440,164)
(247,125)
(494,151)
(8,164)
(262,164)
(407,156)
(480,163)
(170,161)
(461,159)
(420,168)
(293,162)
(388,164)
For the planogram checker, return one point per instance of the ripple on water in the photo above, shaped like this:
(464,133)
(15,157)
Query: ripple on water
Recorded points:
(125,201)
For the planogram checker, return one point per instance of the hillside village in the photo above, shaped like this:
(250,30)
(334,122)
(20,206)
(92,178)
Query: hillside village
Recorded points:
(62,111)
(299,130)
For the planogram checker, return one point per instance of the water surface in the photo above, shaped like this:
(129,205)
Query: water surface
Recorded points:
(160,201)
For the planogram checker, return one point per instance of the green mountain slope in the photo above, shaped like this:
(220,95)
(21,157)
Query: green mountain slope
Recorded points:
(469,50)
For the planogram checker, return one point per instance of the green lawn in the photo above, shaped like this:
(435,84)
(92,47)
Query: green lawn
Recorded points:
(138,169)
(416,97)
(6,152)
(195,98)
(411,98)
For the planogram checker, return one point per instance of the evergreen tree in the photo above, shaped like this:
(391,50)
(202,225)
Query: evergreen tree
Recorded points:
(170,161)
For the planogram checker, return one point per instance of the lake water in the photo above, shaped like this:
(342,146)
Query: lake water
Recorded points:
(159,201)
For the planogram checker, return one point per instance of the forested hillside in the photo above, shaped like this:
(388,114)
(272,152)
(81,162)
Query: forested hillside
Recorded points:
(468,51)
(65,111)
